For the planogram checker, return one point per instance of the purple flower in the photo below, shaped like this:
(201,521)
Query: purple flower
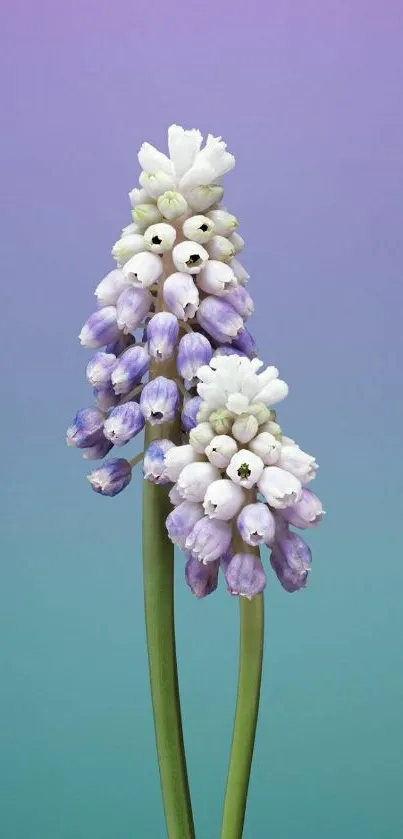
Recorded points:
(162,335)
(307,512)
(101,328)
(119,346)
(241,300)
(219,319)
(106,397)
(194,350)
(245,575)
(123,423)
(182,520)
(109,289)
(132,307)
(181,295)
(99,369)
(228,349)
(154,461)
(209,539)
(201,579)
(245,343)
(189,412)
(256,524)
(159,400)
(291,560)
(98,450)
(112,477)
(130,369)
(86,428)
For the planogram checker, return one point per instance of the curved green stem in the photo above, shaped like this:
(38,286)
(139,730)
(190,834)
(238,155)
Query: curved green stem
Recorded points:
(247,707)
(158,570)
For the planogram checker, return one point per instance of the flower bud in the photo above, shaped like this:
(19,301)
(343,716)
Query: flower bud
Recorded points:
(307,512)
(146,214)
(220,451)
(266,447)
(123,423)
(86,428)
(152,160)
(194,350)
(105,397)
(225,223)
(256,524)
(198,228)
(299,463)
(154,461)
(239,271)
(245,468)
(181,521)
(143,270)
(177,458)
(160,238)
(181,295)
(112,477)
(189,257)
(291,560)
(237,242)
(98,450)
(220,248)
(128,246)
(200,198)
(101,328)
(201,579)
(132,307)
(201,436)
(189,412)
(259,410)
(272,428)
(244,341)
(241,300)
(159,400)
(130,369)
(120,345)
(137,196)
(156,183)
(223,500)
(245,428)
(172,205)
(194,480)
(245,575)
(100,368)
(175,496)
(216,278)
(183,147)
(280,488)
(228,349)
(219,319)
(209,164)
(209,539)
(109,289)
(162,335)
(221,421)
(130,229)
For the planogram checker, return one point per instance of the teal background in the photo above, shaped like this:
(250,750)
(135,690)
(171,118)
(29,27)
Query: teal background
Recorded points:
(309,98)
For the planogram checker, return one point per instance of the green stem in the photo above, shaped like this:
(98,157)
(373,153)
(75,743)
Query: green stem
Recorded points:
(158,569)
(246,714)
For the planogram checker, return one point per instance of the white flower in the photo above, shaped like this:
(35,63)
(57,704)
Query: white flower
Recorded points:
(299,463)
(256,524)
(175,496)
(200,198)
(177,458)
(209,164)
(181,295)
(232,382)
(245,428)
(237,242)
(225,223)
(156,183)
(216,278)
(183,147)
(267,447)
(209,539)
(130,229)
(245,468)
(138,196)
(220,450)
(194,480)
(189,257)
(201,436)
(143,270)
(152,160)
(220,248)
(223,500)
(198,228)
(159,238)
(272,428)
(239,271)
(172,205)
(280,488)
(146,214)
(110,288)
(128,246)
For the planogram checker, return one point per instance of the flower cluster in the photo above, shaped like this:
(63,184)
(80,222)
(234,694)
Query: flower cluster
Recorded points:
(170,342)
(238,483)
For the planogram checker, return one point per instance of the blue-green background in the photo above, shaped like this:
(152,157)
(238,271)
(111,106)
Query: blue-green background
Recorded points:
(309,97)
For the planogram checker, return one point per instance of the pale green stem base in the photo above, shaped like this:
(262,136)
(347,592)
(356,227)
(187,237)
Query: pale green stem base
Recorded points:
(247,707)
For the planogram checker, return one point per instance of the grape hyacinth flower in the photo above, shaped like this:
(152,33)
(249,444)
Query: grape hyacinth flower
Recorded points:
(222,483)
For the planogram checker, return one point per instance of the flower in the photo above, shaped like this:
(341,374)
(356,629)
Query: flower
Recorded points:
(200,198)
(172,205)
(216,278)
(245,575)
(221,248)
(209,164)
(225,223)
(237,242)
(105,397)
(123,423)
(245,468)
(129,369)
(280,488)
(154,461)
(218,318)
(132,307)
(256,524)
(194,480)
(126,247)
(201,579)
(181,295)
(143,269)
(220,450)
(245,428)
(232,382)
(159,400)
(198,228)
(162,335)
(208,539)
(183,147)
(86,428)
(156,183)
(160,238)
(177,458)
(241,301)
(146,214)
(98,451)
(189,257)
(100,328)
(109,289)
(307,512)
(194,350)
(223,500)
(299,463)
(181,521)
(100,368)
(189,412)
(201,436)
(112,477)
(245,342)
(291,561)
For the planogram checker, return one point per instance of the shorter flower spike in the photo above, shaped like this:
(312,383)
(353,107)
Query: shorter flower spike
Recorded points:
(130,369)
(101,328)
(132,307)
(162,335)
(201,579)
(291,560)
(245,575)
(256,524)
(307,512)
(112,477)
(280,488)
(154,461)
(143,270)
(123,423)
(181,521)
(209,539)
(99,369)
(109,289)
(181,295)
(189,257)
(86,428)
(159,400)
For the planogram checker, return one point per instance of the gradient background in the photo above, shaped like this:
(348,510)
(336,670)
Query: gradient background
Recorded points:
(309,98)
